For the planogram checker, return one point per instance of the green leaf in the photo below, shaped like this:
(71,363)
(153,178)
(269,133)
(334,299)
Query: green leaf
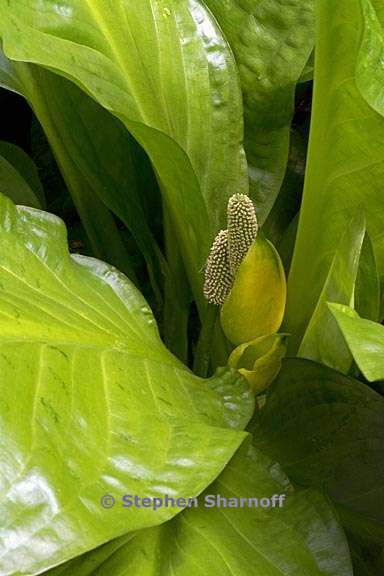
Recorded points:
(322,340)
(26,168)
(8,79)
(59,113)
(166,71)
(13,185)
(259,361)
(367,288)
(287,204)
(365,340)
(366,545)
(92,401)
(271,41)
(302,537)
(327,431)
(255,305)
(345,167)
(100,163)
(307,73)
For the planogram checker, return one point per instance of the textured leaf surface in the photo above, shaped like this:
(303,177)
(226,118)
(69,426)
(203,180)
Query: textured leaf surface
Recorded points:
(365,340)
(92,402)
(322,340)
(327,430)
(303,537)
(345,167)
(271,41)
(185,110)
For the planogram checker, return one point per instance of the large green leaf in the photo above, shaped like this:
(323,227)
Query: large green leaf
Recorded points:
(92,401)
(271,41)
(322,340)
(302,537)
(83,138)
(365,340)
(327,431)
(166,71)
(99,160)
(345,167)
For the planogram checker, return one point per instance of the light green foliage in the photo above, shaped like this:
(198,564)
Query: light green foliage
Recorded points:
(186,111)
(102,406)
(259,361)
(365,340)
(345,169)
(302,535)
(271,41)
(322,340)
(149,107)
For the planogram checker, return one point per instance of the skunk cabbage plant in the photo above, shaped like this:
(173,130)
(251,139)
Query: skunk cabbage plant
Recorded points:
(191,288)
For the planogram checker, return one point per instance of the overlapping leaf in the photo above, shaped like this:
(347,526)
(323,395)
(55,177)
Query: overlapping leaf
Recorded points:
(302,537)
(271,41)
(326,430)
(322,340)
(345,167)
(92,403)
(365,340)
(185,110)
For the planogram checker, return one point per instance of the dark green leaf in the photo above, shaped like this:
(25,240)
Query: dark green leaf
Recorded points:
(327,431)
(26,168)
(13,185)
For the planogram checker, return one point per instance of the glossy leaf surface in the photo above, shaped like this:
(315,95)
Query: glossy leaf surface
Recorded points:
(322,340)
(302,537)
(92,401)
(271,42)
(186,111)
(365,340)
(70,119)
(345,167)
(255,305)
(259,361)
